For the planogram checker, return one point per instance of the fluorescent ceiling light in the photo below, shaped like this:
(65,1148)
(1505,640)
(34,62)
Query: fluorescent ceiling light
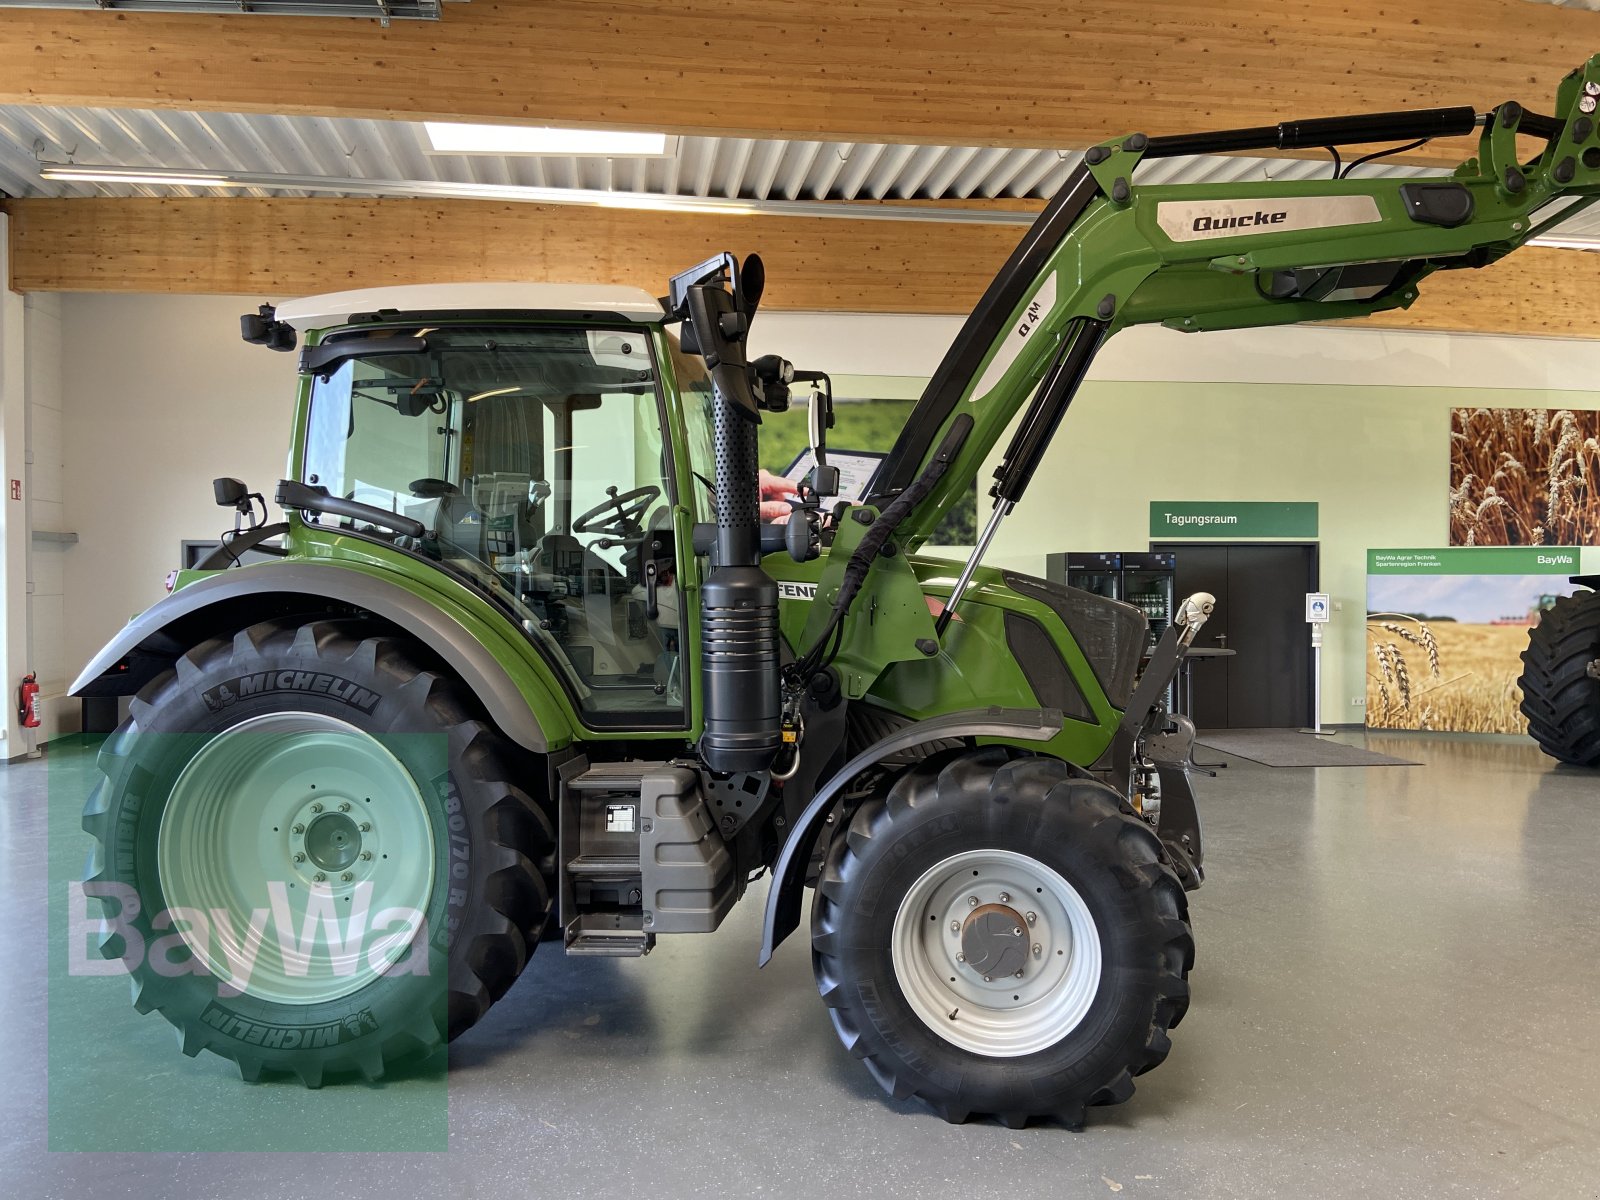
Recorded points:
(449,137)
(116,175)
(517,193)
(1560,243)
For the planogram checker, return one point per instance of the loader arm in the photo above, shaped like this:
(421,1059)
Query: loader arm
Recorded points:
(1108,252)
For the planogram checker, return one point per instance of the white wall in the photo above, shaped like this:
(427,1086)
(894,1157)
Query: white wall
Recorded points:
(46,515)
(161,396)
(13,513)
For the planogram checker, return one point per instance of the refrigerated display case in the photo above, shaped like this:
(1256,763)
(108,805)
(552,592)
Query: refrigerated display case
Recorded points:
(1147,582)
(1097,573)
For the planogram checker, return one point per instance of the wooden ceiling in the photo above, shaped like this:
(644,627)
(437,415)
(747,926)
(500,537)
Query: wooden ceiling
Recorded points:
(957,72)
(278,248)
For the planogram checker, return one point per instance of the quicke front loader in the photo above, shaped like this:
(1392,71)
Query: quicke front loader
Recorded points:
(523,664)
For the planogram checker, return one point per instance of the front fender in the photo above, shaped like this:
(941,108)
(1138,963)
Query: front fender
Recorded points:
(788,874)
(147,644)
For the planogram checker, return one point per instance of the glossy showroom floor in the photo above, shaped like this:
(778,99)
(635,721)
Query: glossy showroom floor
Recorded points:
(1395,996)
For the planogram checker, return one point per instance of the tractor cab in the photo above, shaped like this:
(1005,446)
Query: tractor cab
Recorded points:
(533,446)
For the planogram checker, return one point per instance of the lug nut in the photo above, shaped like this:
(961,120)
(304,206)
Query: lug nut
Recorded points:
(319,877)
(1005,897)
(344,806)
(961,958)
(1019,975)
(316,806)
(366,856)
(988,979)
(955,926)
(365,827)
(347,877)
(1037,949)
(972,902)
(297,829)
(299,858)
(1032,917)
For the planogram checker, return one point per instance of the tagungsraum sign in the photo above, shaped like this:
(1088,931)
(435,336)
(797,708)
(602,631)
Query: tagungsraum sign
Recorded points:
(1227,519)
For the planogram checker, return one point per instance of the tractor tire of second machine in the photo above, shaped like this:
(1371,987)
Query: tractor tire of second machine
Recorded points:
(1561,680)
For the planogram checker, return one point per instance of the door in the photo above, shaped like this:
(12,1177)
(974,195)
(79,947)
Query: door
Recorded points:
(1260,616)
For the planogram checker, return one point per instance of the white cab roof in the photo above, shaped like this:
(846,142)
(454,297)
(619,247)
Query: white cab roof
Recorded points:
(334,308)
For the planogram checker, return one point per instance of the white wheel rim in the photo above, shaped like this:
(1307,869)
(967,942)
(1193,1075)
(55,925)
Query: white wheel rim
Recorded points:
(1012,1015)
(286,815)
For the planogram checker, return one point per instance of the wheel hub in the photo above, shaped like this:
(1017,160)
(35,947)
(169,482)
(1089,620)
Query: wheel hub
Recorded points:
(333,841)
(993,941)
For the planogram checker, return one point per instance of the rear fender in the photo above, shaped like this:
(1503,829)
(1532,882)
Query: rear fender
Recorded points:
(229,600)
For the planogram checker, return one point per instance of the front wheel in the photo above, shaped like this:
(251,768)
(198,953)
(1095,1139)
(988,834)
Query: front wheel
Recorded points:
(999,936)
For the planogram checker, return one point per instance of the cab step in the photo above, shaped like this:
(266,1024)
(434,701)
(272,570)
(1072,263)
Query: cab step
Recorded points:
(612,943)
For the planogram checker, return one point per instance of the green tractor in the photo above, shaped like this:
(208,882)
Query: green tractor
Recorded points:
(525,664)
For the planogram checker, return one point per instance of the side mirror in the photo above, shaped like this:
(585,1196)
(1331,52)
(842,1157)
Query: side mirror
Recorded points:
(819,419)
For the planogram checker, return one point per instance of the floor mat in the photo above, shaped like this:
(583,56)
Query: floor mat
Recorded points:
(1287,748)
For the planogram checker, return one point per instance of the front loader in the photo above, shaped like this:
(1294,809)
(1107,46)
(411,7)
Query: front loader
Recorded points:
(526,666)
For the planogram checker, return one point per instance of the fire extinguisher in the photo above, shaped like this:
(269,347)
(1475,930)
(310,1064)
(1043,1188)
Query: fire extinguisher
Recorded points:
(28,701)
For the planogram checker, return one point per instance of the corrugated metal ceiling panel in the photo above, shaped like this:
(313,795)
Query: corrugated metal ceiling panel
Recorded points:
(722,167)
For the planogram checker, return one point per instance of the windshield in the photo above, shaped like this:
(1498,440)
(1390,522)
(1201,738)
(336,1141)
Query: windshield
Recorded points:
(534,458)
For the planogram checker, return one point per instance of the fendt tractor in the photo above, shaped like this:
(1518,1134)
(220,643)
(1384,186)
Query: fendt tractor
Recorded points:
(523,663)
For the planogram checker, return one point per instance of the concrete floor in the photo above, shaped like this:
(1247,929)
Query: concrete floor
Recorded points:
(1395,995)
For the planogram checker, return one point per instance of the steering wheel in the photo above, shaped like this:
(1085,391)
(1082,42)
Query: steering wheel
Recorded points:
(621,513)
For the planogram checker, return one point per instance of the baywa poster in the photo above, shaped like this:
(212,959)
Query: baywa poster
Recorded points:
(865,426)
(1446,629)
(1524,477)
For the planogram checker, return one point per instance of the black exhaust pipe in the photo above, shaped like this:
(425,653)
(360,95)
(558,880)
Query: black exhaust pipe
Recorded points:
(739,602)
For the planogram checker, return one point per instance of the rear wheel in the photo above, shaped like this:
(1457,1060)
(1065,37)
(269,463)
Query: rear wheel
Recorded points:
(1561,680)
(320,857)
(998,936)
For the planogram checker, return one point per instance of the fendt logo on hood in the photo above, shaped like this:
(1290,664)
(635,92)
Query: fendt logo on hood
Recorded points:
(1202,224)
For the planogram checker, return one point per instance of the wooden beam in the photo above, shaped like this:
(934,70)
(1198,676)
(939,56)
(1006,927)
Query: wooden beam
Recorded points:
(277,248)
(1021,73)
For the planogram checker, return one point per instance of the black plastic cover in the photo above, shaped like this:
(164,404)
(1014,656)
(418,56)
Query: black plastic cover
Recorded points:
(1042,666)
(1111,634)
(1447,204)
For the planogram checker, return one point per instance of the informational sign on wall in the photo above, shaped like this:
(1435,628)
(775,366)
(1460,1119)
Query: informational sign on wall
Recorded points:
(1221,520)
(1446,627)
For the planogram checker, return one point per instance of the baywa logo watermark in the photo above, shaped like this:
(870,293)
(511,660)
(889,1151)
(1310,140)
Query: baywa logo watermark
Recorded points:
(266,682)
(325,936)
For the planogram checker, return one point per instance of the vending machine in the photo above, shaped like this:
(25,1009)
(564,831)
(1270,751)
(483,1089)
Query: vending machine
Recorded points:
(1097,573)
(1147,583)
